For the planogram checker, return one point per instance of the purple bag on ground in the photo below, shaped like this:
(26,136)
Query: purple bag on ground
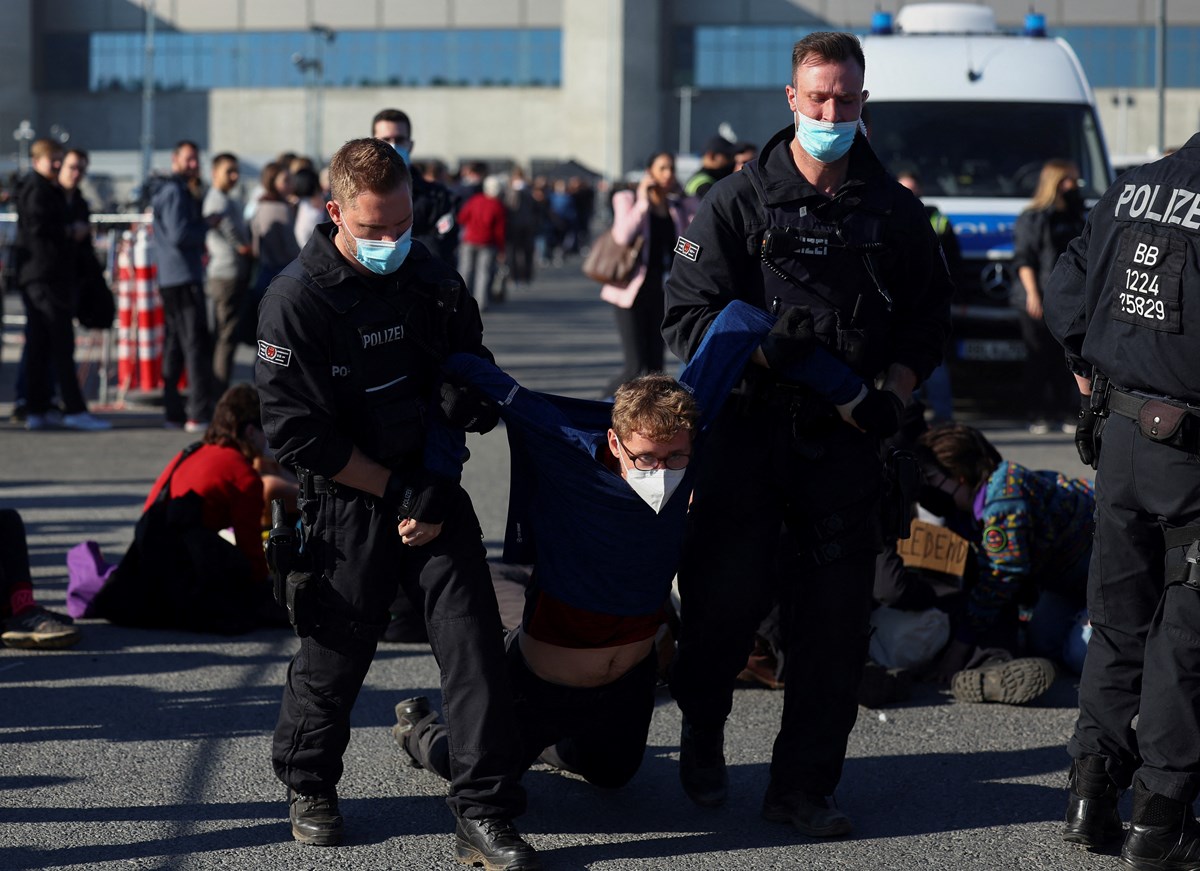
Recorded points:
(87,573)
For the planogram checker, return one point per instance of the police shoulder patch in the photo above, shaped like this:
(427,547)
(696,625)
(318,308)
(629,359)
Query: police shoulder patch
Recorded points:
(995,539)
(276,354)
(687,248)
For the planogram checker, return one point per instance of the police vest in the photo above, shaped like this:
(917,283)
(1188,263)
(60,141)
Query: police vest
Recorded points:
(387,341)
(833,256)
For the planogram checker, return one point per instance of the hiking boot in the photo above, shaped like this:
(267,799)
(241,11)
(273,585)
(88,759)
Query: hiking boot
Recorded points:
(494,844)
(810,814)
(1008,682)
(762,668)
(1163,834)
(409,714)
(1092,817)
(702,768)
(315,818)
(39,628)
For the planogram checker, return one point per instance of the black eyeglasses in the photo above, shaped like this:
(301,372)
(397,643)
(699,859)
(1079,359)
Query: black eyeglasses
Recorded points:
(649,462)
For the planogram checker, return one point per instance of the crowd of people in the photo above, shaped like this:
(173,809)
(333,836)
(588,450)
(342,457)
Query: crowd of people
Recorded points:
(775,480)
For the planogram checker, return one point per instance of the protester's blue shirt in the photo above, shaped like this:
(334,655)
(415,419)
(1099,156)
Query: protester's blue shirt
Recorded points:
(596,545)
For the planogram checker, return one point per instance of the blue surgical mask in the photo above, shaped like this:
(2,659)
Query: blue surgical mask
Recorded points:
(382,258)
(404,155)
(825,141)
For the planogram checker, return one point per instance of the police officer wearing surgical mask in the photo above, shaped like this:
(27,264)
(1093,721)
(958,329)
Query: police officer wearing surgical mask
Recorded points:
(1122,301)
(350,339)
(817,223)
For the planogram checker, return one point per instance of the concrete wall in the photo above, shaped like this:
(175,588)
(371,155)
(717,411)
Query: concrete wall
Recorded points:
(17,102)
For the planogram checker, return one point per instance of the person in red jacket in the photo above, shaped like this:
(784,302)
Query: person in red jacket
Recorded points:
(482,243)
(223,473)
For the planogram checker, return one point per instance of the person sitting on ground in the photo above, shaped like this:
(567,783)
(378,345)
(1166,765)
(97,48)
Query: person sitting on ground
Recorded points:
(1034,532)
(26,624)
(586,474)
(222,471)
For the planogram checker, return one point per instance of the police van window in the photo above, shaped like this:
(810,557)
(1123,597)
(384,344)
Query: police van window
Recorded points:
(987,149)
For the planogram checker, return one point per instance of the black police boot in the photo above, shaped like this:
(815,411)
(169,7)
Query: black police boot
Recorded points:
(1163,834)
(1092,818)
(494,844)
(702,764)
(315,818)
(810,814)
(409,713)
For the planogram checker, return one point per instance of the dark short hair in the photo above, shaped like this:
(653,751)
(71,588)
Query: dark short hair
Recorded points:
(305,183)
(237,407)
(828,46)
(365,165)
(719,145)
(81,153)
(393,115)
(224,157)
(185,143)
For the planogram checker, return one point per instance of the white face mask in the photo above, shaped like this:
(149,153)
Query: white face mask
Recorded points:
(655,486)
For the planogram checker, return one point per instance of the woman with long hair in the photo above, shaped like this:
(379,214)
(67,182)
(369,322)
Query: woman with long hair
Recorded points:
(657,211)
(1053,218)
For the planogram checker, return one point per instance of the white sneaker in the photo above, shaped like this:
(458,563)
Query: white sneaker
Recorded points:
(1039,428)
(196,426)
(84,421)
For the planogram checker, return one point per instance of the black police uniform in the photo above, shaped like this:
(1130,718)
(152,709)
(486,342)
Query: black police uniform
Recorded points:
(434,210)
(349,361)
(1118,301)
(779,455)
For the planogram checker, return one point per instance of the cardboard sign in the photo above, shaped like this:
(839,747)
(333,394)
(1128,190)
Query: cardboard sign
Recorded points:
(935,548)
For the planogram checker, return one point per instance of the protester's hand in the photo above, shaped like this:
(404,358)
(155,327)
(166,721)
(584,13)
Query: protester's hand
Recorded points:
(414,533)
(879,413)
(645,186)
(954,660)
(790,340)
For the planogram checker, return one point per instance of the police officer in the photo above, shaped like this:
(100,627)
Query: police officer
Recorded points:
(434,206)
(815,222)
(350,337)
(1117,301)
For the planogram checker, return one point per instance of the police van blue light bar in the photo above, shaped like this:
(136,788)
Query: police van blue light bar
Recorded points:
(881,23)
(1035,24)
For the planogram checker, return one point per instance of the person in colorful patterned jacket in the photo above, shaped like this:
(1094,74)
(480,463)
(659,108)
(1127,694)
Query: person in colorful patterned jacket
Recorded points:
(1034,533)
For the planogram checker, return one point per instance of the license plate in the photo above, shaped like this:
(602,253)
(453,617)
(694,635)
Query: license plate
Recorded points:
(991,350)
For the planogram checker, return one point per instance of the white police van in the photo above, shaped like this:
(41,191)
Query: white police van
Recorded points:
(976,112)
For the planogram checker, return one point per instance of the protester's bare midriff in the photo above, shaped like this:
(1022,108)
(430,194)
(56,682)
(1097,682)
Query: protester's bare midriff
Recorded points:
(582,667)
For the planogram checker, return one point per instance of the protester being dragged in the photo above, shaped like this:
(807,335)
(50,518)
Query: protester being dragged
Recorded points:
(180,571)
(25,623)
(1034,534)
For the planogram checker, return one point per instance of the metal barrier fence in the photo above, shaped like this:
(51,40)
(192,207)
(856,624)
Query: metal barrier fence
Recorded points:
(125,241)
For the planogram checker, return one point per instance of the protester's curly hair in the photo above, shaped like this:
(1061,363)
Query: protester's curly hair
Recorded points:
(655,406)
(961,452)
(237,407)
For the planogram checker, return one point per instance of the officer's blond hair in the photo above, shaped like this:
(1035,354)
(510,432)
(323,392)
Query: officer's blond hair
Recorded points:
(655,406)
(365,165)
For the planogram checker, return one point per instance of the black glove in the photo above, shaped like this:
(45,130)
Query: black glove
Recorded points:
(790,339)
(466,407)
(1085,433)
(879,413)
(426,500)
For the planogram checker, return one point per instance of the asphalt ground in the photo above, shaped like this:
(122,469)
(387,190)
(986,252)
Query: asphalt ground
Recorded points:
(150,750)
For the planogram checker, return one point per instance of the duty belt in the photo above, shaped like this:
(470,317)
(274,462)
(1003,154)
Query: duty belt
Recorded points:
(1163,420)
(314,485)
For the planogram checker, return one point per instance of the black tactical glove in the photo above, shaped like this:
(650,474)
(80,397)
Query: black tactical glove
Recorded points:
(1085,433)
(466,407)
(879,413)
(790,339)
(426,500)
